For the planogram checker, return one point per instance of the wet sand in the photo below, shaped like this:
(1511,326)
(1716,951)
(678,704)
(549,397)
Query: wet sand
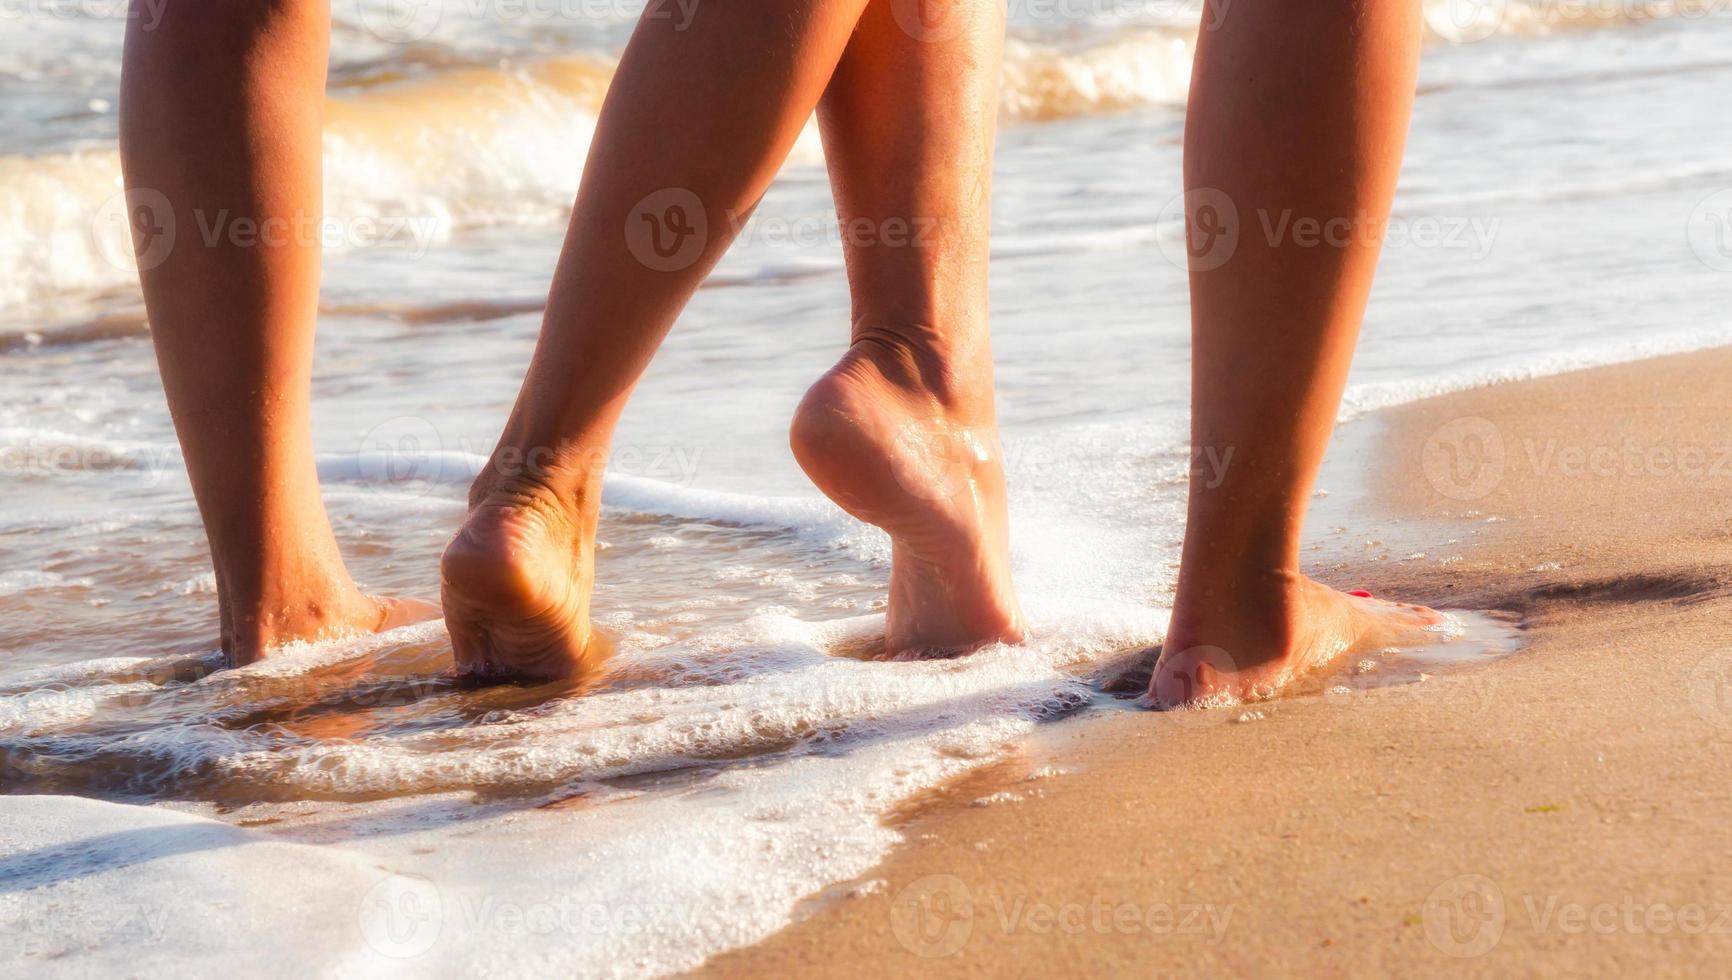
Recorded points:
(1567,809)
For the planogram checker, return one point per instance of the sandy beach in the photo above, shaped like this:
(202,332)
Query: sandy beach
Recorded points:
(1563,810)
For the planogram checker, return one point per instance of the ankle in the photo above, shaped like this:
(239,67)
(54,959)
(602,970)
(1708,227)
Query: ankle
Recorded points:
(567,478)
(309,575)
(1254,549)
(256,622)
(945,365)
(1236,595)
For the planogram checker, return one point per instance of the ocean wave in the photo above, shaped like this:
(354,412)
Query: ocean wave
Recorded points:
(409,472)
(1361,400)
(21,580)
(772,685)
(413,156)
(448,472)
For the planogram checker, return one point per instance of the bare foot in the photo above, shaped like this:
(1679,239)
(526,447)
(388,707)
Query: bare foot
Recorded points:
(515,583)
(891,448)
(254,629)
(1272,633)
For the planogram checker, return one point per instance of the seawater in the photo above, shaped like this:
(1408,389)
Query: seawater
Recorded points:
(348,807)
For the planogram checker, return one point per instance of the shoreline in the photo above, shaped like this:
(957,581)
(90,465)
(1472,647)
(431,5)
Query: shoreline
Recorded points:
(1560,809)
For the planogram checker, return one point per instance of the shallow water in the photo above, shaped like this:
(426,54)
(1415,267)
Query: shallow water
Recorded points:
(737,756)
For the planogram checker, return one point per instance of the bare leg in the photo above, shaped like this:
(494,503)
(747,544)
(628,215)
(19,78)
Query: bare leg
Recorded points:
(902,432)
(221,108)
(694,127)
(1297,112)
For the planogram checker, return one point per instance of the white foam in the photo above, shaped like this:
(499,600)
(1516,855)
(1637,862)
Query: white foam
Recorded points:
(657,883)
(47,709)
(103,889)
(1362,399)
(30,580)
(768,686)
(654,883)
(81,672)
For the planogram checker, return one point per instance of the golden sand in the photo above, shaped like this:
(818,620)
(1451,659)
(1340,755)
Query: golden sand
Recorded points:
(1565,810)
